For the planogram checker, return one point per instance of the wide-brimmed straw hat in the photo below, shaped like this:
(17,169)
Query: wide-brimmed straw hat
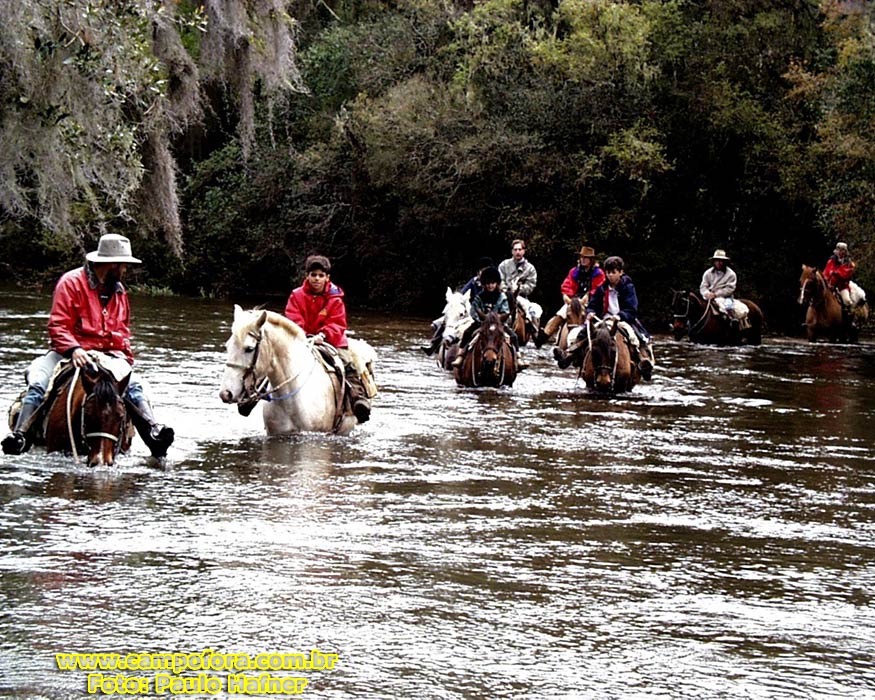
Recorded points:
(112,248)
(587,252)
(720,254)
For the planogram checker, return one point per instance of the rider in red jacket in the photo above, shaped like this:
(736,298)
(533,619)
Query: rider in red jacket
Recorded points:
(90,311)
(317,306)
(838,272)
(78,318)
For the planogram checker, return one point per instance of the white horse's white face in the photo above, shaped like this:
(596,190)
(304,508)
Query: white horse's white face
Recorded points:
(240,346)
(456,313)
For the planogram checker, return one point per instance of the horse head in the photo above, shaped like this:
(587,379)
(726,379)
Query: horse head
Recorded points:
(603,353)
(104,417)
(245,365)
(809,283)
(457,313)
(490,341)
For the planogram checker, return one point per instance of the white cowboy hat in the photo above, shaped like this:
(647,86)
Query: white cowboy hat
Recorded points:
(112,248)
(720,254)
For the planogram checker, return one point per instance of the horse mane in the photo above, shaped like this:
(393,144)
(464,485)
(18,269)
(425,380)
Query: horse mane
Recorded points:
(275,319)
(105,389)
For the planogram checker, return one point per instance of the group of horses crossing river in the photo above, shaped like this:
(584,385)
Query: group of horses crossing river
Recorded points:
(270,359)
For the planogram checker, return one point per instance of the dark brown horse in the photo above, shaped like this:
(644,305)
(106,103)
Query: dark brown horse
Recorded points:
(491,360)
(523,327)
(824,316)
(706,325)
(86,415)
(608,367)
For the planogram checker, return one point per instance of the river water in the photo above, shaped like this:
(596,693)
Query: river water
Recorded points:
(709,535)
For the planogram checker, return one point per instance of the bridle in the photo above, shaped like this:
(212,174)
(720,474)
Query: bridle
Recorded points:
(116,439)
(610,369)
(251,381)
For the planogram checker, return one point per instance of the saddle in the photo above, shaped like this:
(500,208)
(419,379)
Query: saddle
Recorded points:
(61,378)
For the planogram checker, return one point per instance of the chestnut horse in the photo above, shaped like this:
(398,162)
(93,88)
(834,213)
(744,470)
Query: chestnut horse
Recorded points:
(491,359)
(824,316)
(573,319)
(523,327)
(708,326)
(608,366)
(85,414)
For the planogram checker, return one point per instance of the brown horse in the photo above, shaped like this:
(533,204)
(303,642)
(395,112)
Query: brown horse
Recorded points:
(491,360)
(824,315)
(523,327)
(86,415)
(608,367)
(573,319)
(708,326)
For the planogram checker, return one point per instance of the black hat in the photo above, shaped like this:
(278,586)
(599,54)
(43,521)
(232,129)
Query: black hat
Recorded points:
(485,262)
(490,274)
(317,262)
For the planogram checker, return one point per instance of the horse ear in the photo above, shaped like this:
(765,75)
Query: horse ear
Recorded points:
(449,294)
(123,384)
(467,295)
(238,312)
(261,319)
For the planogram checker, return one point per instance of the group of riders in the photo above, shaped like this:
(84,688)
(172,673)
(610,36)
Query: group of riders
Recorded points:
(91,312)
(604,292)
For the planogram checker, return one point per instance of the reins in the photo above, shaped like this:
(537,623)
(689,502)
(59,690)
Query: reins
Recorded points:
(96,434)
(72,386)
(266,394)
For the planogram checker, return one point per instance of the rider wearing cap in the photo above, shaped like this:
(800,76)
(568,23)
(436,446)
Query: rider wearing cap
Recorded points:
(90,311)
(317,306)
(490,299)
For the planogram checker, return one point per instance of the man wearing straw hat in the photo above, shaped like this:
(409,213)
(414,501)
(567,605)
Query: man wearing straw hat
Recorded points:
(90,311)
(581,282)
(718,283)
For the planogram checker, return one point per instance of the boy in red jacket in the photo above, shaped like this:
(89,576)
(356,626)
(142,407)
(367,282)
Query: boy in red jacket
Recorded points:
(317,307)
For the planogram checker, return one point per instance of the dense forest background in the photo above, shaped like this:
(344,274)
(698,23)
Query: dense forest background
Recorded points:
(230,139)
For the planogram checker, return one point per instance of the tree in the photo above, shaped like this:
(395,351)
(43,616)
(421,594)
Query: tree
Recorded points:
(94,91)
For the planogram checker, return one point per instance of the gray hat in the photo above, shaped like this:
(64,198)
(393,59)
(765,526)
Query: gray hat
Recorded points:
(112,248)
(841,246)
(719,254)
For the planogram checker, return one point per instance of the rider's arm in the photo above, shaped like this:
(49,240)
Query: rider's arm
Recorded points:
(64,314)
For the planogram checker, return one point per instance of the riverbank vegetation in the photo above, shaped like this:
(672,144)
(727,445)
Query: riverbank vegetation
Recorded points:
(407,139)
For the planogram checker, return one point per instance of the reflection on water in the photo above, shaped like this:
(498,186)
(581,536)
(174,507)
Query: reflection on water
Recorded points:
(708,535)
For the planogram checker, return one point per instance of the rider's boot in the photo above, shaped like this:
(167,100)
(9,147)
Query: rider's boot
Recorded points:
(358,396)
(459,361)
(435,342)
(157,437)
(547,330)
(18,440)
(563,358)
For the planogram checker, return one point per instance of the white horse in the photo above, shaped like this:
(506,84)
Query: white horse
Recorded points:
(304,394)
(457,317)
